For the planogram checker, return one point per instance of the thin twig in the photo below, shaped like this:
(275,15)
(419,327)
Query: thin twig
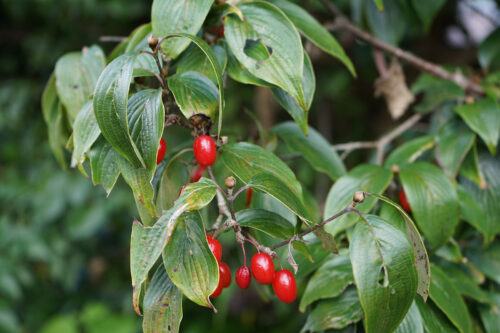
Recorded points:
(424,65)
(112,39)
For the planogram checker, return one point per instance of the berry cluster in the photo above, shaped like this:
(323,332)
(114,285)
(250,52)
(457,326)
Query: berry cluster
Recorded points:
(262,269)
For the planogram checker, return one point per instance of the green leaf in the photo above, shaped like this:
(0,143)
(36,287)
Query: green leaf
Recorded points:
(195,61)
(314,31)
(448,299)
(239,73)
(486,199)
(483,117)
(471,212)
(173,178)
(194,93)
(433,200)
(451,252)
(76,76)
(246,160)
(419,251)
(453,141)
(146,118)
(412,322)
(470,168)
(275,187)
(145,64)
(189,261)
(433,319)
(268,222)
(335,313)
(162,304)
(465,284)
(410,151)
(380,4)
(368,178)
(110,107)
(486,260)
(298,113)
(488,52)
(173,17)
(489,314)
(314,148)
(330,280)
(85,132)
(436,91)
(148,242)
(427,10)
(215,65)
(103,165)
(389,24)
(259,28)
(385,298)
(53,114)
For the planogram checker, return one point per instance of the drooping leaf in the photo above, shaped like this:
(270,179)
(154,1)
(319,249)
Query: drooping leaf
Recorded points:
(85,132)
(189,261)
(436,91)
(314,148)
(335,313)
(147,242)
(246,160)
(103,165)
(76,76)
(194,93)
(368,178)
(53,114)
(145,64)
(433,319)
(489,51)
(448,299)
(412,322)
(453,142)
(427,10)
(314,31)
(487,199)
(489,314)
(421,257)
(110,107)
(385,298)
(433,200)
(172,17)
(162,304)
(282,62)
(298,113)
(268,222)
(195,61)
(487,261)
(410,151)
(275,187)
(483,117)
(330,280)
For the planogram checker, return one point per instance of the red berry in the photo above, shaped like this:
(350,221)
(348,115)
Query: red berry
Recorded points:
(215,247)
(161,151)
(243,277)
(197,173)
(180,191)
(225,274)
(249,197)
(284,286)
(204,150)
(219,288)
(262,268)
(404,202)
(221,32)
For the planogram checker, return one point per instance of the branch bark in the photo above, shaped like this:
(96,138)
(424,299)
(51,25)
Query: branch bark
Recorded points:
(458,78)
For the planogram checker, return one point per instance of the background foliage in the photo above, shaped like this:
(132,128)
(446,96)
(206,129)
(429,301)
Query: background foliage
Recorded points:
(64,266)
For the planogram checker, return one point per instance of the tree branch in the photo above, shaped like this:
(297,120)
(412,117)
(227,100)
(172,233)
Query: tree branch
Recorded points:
(458,78)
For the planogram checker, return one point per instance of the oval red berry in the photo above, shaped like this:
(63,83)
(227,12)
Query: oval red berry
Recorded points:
(404,202)
(243,277)
(162,148)
(225,274)
(249,197)
(262,268)
(215,247)
(284,286)
(204,150)
(197,173)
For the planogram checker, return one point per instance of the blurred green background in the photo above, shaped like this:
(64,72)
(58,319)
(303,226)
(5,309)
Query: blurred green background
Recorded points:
(64,262)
